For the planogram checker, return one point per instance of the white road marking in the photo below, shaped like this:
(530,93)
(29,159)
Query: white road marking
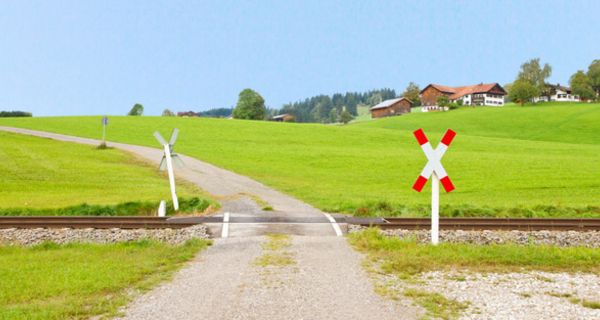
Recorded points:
(225,228)
(334,224)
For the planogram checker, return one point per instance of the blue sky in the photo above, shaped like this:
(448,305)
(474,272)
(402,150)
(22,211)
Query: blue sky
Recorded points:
(101,57)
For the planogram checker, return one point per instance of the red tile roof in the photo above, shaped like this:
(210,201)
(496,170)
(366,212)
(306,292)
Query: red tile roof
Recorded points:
(457,92)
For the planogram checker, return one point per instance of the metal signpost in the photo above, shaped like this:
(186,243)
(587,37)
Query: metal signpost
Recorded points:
(167,161)
(104,124)
(434,168)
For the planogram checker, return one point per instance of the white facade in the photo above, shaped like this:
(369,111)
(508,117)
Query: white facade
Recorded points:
(482,99)
(560,96)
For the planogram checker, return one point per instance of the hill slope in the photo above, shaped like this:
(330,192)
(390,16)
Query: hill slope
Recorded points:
(39,173)
(535,160)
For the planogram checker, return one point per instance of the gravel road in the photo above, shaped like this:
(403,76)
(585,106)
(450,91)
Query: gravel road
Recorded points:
(324,282)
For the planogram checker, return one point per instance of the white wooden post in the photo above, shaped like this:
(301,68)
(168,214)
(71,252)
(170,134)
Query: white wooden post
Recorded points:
(171,176)
(162,208)
(435,209)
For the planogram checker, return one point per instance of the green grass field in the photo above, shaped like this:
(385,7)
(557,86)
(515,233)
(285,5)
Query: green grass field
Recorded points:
(45,174)
(77,281)
(513,161)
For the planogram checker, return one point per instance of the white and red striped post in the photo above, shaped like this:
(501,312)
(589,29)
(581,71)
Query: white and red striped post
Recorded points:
(434,168)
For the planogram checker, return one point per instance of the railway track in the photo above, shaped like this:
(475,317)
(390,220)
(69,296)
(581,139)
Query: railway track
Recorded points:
(528,224)
(131,222)
(93,222)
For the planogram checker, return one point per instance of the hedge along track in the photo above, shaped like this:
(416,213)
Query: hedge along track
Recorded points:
(136,222)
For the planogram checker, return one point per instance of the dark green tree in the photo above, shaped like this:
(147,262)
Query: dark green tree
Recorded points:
(333,115)
(581,85)
(411,93)
(137,110)
(250,106)
(346,116)
(533,72)
(523,91)
(594,76)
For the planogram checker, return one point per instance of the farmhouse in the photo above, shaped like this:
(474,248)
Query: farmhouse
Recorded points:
(391,107)
(556,92)
(491,94)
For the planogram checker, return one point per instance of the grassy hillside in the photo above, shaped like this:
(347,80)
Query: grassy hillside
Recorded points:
(504,161)
(40,173)
(561,122)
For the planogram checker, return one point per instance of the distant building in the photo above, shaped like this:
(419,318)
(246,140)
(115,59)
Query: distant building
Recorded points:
(283,118)
(491,94)
(391,107)
(556,92)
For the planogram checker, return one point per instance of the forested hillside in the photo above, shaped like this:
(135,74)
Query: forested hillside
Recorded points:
(326,109)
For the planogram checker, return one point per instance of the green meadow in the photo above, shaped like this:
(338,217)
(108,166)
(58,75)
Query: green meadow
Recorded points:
(78,281)
(43,177)
(541,160)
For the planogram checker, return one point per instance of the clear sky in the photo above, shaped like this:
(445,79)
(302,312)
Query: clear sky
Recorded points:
(101,57)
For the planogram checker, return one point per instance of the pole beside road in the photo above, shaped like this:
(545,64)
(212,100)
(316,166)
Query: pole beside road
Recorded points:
(167,161)
(436,171)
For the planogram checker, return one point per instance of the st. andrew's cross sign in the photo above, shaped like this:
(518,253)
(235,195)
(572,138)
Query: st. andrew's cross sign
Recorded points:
(166,161)
(436,171)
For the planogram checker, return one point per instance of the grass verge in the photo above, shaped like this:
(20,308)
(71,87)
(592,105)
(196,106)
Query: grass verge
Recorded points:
(408,257)
(78,281)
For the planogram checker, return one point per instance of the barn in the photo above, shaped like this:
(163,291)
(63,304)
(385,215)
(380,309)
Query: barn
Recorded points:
(392,107)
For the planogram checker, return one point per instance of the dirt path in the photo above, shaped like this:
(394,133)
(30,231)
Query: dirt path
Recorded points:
(324,279)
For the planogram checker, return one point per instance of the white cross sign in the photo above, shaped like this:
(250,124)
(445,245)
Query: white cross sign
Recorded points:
(167,161)
(434,158)
(434,169)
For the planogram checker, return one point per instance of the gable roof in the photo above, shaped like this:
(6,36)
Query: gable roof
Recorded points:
(558,87)
(457,92)
(388,103)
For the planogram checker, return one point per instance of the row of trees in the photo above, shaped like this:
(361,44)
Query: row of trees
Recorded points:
(531,82)
(12,114)
(331,109)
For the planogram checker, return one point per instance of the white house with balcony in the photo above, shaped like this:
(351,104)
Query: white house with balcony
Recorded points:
(557,93)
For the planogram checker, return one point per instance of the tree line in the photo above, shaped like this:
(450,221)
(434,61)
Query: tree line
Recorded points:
(10,114)
(329,108)
(342,107)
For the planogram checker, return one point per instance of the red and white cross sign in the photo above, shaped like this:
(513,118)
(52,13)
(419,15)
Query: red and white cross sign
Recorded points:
(434,157)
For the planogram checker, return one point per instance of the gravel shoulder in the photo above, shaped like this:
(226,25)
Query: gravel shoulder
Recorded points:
(531,295)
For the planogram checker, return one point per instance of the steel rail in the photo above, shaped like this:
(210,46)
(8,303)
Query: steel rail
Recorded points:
(529,224)
(102,222)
